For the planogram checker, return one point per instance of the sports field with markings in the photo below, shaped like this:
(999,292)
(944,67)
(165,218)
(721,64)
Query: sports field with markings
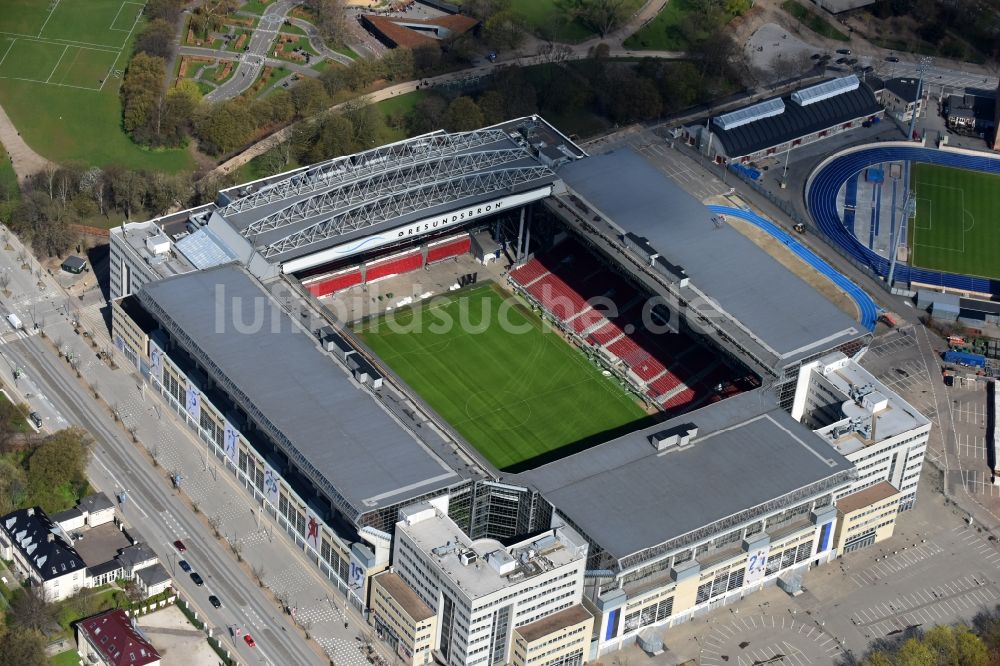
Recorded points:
(514,389)
(61,67)
(956,227)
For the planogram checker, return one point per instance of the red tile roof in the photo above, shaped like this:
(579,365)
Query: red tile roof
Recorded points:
(400,35)
(113,635)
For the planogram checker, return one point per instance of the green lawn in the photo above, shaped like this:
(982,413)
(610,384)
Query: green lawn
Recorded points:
(20,422)
(665,32)
(68,658)
(516,392)
(60,71)
(813,21)
(956,228)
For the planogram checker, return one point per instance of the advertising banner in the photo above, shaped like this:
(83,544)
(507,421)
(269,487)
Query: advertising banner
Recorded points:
(231,443)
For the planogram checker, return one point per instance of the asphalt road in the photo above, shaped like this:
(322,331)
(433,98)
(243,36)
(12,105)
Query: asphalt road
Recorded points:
(159,515)
(253,58)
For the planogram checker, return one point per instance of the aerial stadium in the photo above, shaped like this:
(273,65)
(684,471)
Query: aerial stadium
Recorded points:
(497,324)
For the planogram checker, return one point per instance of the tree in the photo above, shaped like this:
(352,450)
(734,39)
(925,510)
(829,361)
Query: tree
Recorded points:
(483,9)
(31,610)
(368,124)
(505,30)
(601,15)
(59,461)
(156,39)
(166,10)
(44,222)
(335,136)
(142,96)
(399,64)
(181,104)
(332,20)
(464,115)
(426,58)
(309,98)
(222,128)
(427,115)
(128,189)
(634,98)
(491,104)
(22,647)
(13,482)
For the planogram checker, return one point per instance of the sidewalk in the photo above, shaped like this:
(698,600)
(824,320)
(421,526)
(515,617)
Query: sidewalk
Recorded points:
(214,490)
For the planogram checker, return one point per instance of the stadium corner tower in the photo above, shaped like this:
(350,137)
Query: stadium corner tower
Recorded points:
(331,440)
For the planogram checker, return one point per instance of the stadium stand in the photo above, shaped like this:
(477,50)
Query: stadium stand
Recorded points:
(821,198)
(528,273)
(410,260)
(448,248)
(325,285)
(664,366)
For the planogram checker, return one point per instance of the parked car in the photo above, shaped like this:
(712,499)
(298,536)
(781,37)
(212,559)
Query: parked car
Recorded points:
(214,600)
(249,640)
(892,59)
(36,419)
(841,61)
(198,580)
(844,51)
(815,56)
(183,564)
(179,545)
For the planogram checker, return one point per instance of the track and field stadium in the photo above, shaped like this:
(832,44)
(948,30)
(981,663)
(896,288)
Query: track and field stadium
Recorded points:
(950,238)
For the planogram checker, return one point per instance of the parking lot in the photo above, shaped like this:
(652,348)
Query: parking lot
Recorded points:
(935,570)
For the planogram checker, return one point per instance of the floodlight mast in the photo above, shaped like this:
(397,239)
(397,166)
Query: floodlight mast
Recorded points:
(909,210)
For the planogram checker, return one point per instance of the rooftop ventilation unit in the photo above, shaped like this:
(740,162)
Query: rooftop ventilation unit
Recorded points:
(749,114)
(825,90)
(441,551)
(674,438)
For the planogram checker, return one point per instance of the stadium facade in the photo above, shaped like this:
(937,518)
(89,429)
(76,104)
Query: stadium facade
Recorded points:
(221,309)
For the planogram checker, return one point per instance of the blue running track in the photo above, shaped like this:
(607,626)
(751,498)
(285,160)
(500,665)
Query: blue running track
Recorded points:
(821,199)
(866,306)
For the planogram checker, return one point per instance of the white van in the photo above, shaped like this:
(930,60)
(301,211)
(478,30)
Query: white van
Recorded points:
(14,321)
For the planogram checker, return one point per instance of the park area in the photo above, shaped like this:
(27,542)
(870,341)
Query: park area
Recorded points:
(955,229)
(61,65)
(511,386)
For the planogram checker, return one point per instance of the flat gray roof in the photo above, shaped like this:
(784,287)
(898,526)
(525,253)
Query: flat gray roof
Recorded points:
(366,173)
(337,426)
(627,496)
(778,307)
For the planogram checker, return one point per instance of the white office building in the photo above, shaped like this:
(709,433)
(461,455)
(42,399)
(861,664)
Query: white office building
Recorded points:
(482,590)
(868,423)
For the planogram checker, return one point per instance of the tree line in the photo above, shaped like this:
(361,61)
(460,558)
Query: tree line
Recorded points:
(619,92)
(52,201)
(50,473)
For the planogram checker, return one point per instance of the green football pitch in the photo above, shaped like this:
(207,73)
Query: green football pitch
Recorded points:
(516,392)
(957,228)
(61,66)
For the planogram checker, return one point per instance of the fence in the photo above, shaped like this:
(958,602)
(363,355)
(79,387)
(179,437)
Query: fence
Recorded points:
(217,646)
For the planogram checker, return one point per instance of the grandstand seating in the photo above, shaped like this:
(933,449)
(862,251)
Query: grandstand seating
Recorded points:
(605,334)
(329,284)
(565,280)
(557,297)
(528,273)
(448,248)
(587,320)
(403,263)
